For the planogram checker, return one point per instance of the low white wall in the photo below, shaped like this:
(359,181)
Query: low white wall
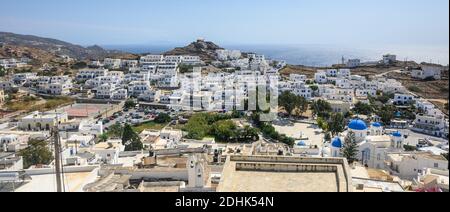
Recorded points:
(70,169)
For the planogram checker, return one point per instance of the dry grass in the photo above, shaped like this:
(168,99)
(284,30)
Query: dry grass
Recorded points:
(29,104)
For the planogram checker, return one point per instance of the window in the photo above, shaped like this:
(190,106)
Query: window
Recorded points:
(436,165)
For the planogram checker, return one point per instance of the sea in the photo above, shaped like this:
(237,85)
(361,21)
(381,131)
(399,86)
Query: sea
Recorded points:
(316,55)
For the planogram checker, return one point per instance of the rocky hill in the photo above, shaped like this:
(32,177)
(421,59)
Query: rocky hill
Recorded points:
(206,50)
(53,46)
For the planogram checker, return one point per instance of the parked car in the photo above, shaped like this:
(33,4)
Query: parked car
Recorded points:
(135,121)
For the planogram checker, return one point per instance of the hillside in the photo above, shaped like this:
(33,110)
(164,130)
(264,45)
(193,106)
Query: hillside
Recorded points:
(206,50)
(53,46)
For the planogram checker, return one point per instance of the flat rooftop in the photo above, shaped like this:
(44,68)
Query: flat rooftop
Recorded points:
(85,110)
(284,174)
(47,182)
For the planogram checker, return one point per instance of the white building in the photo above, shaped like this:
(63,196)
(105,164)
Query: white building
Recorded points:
(151,59)
(321,77)
(332,72)
(86,74)
(191,60)
(105,91)
(22,78)
(129,63)
(297,78)
(109,151)
(137,88)
(120,94)
(9,63)
(110,79)
(173,59)
(391,86)
(112,63)
(6,140)
(409,165)
(59,85)
(353,63)
(389,59)
(373,151)
(301,89)
(431,125)
(343,73)
(150,96)
(403,99)
(427,72)
(365,93)
(224,55)
(38,121)
(6,85)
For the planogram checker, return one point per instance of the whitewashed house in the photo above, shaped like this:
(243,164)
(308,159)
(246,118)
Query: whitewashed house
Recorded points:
(151,95)
(344,73)
(321,77)
(129,63)
(137,88)
(403,99)
(38,121)
(297,77)
(22,78)
(112,63)
(191,60)
(332,72)
(87,74)
(151,59)
(120,94)
(409,165)
(431,125)
(427,72)
(105,91)
(389,59)
(353,63)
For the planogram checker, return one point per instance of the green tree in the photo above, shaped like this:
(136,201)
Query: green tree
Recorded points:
(288,101)
(3,71)
(386,113)
(163,118)
(302,106)
(225,131)
(410,148)
(185,68)
(322,124)
(131,139)
(197,127)
(115,131)
(293,103)
(362,108)
(129,104)
(103,137)
(350,148)
(79,65)
(336,124)
(314,88)
(321,108)
(250,133)
(37,152)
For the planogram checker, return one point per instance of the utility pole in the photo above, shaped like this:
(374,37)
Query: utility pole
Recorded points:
(57,146)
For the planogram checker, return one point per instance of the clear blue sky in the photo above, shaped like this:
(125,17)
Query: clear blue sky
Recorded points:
(343,22)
